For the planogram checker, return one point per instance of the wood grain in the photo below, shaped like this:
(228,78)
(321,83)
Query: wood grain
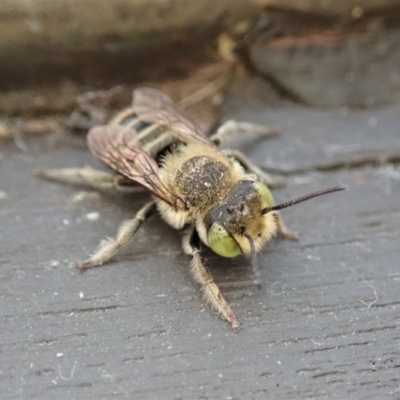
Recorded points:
(323,325)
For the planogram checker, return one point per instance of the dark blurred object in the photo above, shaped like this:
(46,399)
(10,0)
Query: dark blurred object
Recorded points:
(94,108)
(201,92)
(106,42)
(321,53)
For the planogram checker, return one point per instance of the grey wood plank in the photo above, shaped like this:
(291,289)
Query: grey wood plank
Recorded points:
(323,324)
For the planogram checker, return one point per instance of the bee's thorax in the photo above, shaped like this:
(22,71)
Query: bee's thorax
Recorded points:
(200,176)
(203,181)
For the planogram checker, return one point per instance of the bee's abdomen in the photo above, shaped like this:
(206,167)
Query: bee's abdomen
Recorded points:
(156,140)
(129,118)
(203,181)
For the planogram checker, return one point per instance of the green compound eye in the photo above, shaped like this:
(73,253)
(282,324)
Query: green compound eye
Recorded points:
(264,192)
(221,242)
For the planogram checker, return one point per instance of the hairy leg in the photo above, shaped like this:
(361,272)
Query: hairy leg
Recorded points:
(270,181)
(232,127)
(283,232)
(211,292)
(89,177)
(126,231)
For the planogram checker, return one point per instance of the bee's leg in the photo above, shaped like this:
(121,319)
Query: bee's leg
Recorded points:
(282,230)
(231,127)
(211,292)
(270,181)
(109,247)
(88,177)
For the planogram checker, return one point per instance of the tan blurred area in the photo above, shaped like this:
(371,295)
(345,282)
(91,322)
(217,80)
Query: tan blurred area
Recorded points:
(297,46)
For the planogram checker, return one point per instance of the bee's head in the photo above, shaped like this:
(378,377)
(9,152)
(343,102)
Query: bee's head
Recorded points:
(244,221)
(237,224)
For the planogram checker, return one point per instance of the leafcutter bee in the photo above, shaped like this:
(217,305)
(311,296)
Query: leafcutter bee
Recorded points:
(216,197)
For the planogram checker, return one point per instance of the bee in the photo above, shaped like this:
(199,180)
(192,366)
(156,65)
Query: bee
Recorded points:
(215,197)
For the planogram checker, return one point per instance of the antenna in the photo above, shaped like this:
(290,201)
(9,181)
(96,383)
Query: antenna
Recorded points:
(301,199)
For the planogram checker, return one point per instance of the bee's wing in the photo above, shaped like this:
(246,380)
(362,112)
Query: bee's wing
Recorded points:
(154,106)
(119,148)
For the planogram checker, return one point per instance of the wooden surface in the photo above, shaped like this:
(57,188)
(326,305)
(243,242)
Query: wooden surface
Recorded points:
(323,325)
(98,41)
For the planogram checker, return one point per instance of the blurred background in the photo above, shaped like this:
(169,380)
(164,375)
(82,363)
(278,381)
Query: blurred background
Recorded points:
(320,53)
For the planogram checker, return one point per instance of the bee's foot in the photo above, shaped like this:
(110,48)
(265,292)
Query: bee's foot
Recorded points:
(289,235)
(235,324)
(82,266)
